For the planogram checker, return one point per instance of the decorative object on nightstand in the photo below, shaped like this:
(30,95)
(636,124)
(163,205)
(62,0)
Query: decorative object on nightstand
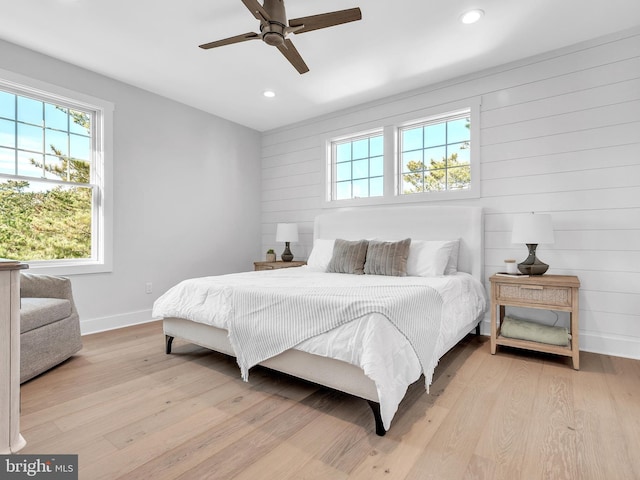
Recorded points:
(532,229)
(271,255)
(548,292)
(287,232)
(276,265)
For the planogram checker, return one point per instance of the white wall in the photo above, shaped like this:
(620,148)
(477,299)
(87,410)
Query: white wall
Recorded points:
(559,134)
(186,193)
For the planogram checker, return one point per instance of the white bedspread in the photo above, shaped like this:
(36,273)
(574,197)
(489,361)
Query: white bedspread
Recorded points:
(371,341)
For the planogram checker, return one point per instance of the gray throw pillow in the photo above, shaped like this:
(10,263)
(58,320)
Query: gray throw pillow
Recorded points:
(348,257)
(387,258)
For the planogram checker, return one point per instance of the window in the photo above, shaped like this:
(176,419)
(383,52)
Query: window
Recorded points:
(431,154)
(358,167)
(435,155)
(52,188)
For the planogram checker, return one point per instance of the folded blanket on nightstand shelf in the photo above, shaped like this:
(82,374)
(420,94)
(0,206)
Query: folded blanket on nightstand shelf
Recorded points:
(535,332)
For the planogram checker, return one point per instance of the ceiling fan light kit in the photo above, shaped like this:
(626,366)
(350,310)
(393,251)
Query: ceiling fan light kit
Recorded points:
(274,28)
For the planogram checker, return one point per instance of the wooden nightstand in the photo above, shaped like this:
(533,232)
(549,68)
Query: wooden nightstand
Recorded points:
(549,292)
(275,265)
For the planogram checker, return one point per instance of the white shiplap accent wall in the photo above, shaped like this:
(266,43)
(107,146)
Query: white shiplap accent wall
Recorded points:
(560,133)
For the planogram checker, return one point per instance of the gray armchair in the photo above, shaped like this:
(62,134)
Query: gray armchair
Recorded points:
(49,323)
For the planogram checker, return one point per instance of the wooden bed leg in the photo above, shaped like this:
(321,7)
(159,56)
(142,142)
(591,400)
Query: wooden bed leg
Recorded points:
(478,329)
(168,340)
(375,406)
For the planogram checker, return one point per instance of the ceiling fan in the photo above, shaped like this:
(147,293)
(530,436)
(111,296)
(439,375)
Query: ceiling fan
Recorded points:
(274,28)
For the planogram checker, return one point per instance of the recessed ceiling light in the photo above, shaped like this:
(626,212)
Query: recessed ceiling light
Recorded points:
(269,93)
(472,16)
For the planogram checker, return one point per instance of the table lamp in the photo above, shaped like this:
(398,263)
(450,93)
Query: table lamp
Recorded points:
(287,232)
(532,229)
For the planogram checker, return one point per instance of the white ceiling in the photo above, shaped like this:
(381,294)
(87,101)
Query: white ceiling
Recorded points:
(398,45)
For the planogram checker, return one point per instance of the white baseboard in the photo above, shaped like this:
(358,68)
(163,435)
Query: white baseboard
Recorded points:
(615,345)
(96,325)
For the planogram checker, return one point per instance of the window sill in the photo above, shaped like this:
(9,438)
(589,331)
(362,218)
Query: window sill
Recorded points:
(68,268)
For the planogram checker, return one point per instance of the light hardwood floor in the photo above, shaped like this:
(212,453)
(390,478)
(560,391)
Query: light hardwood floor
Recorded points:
(131,412)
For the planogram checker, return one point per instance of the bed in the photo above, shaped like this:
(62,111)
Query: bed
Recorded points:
(388,331)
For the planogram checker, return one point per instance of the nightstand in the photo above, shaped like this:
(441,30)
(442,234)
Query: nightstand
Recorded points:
(275,265)
(548,292)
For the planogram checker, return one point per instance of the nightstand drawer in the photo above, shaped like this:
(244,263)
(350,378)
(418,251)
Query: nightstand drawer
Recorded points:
(538,294)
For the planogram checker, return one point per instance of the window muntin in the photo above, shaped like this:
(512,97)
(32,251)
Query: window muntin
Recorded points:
(49,187)
(358,167)
(435,155)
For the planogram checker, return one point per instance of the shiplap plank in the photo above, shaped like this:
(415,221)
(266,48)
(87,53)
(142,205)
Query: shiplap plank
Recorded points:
(581,220)
(586,139)
(582,97)
(602,260)
(614,156)
(597,75)
(575,121)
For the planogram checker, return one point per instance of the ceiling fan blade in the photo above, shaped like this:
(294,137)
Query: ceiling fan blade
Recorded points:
(228,41)
(256,10)
(324,20)
(291,54)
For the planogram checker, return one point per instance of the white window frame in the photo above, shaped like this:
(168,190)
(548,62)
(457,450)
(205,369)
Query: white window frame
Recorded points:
(102,168)
(392,167)
(333,165)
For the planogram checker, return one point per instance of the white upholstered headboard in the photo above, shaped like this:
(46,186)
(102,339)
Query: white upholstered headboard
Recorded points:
(419,222)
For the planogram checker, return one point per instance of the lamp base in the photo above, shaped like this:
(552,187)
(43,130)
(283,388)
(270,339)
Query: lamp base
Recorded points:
(286,256)
(532,266)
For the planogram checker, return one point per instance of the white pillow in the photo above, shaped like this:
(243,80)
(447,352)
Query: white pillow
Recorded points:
(452,264)
(430,258)
(321,254)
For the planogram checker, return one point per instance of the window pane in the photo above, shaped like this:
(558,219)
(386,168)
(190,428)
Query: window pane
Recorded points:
(361,188)
(412,182)
(30,111)
(7,105)
(361,168)
(412,161)
(56,117)
(435,180)
(458,131)
(459,178)
(80,147)
(412,139)
(7,161)
(361,149)
(376,146)
(343,171)
(435,157)
(79,122)
(7,133)
(29,137)
(343,190)
(343,152)
(461,152)
(30,164)
(44,222)
(376,166)
(376,187)
(435,135)
(56,167)
(56,142)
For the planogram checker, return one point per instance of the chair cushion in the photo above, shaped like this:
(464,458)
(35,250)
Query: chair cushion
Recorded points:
(36,312)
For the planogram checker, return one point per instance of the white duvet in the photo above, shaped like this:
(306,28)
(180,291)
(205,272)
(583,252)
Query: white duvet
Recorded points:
(371,342)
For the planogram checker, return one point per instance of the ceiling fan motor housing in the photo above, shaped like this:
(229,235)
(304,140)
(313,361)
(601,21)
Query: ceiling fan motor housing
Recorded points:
(273,33)
(273,29)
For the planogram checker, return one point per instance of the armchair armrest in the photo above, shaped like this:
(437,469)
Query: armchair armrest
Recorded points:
(45,286)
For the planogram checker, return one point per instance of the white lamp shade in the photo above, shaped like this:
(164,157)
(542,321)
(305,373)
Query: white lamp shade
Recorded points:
(287,232)
(532,228)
